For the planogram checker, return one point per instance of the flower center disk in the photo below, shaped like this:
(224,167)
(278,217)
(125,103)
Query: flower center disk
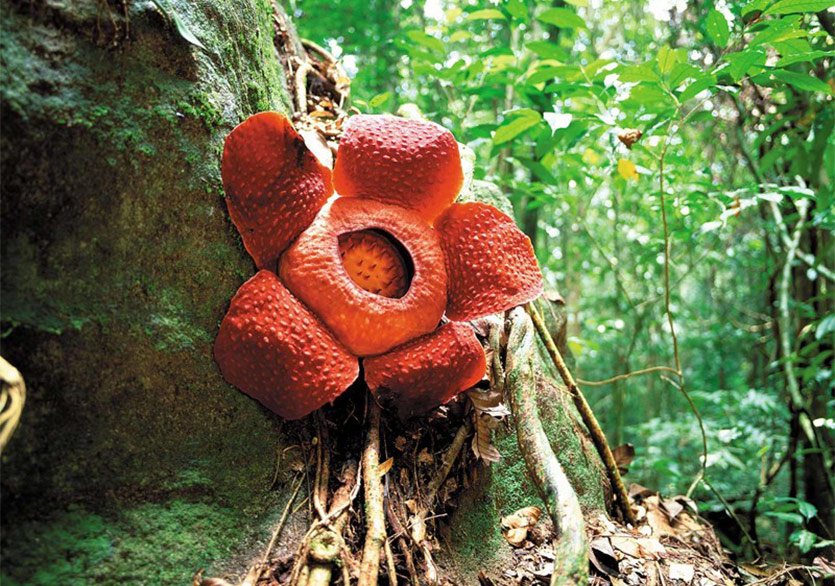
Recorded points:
(375,262)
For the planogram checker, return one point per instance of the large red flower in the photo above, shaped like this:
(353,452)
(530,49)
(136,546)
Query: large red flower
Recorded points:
(367,273)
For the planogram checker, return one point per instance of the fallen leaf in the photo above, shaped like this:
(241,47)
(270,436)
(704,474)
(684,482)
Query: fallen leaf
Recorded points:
(636,491)
(316,143)
(624,454)
(682,572)
(651,547)
(384,468)
(515,526)
(626,545)
(483,441)
(672,508)
(602,556)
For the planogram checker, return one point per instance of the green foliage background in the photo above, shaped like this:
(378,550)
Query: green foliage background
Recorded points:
(734,101)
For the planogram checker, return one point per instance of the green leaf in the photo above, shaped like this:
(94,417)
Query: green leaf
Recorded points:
(668,58)
(826,326)
(426,40)
(778,30)
(803,81)
(379,99)
(633,73)
(459,36)
(684,71)
(792,6)
(486,14)
(793,518)
(740,63)
(807,509)
(692,90)
(651,95)
(547,50)
(717,28)
(582,3)
(562,18)
(803,539)
(517,9)
(755,6)
(803,57)
(518,122)
(792,46)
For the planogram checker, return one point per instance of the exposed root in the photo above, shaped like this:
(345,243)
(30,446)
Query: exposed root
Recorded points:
(571,550)
(374,518)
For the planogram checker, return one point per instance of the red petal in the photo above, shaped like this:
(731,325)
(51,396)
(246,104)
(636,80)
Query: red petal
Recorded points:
(274,185)
(367,323)
(410,163)
(429,371)
(490,262)
(274,349)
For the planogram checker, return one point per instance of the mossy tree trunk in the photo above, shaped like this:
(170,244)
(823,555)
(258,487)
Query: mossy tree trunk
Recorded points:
(134,461)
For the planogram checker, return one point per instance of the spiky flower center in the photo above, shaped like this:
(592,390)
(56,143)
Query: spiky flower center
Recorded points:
(375,262)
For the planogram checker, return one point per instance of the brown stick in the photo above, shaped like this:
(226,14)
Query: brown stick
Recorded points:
(390,566)
(374,519)
(597,435)
(401,535)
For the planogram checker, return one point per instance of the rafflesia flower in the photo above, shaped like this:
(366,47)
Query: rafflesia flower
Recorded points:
(366,274)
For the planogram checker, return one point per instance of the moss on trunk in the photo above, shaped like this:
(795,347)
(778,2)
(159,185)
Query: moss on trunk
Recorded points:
(134,457)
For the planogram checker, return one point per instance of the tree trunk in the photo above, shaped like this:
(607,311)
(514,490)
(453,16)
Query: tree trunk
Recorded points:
(134,458)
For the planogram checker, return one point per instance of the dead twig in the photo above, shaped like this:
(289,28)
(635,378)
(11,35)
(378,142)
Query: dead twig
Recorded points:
(597,435)
(401,534)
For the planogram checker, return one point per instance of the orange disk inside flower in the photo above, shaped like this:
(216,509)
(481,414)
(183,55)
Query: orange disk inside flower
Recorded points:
(374,273)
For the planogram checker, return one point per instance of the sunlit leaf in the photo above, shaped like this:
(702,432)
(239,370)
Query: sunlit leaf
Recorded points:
(562,18)
(803,81)
(627,170)
(803,57)
(778,30)
(825,327)
(634,73)
(485,14)
(517,123)
(791,6)
(426,40)
(667,58)
(740,63)
(717,28)
(379,100)
(517,9)
(547,50)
